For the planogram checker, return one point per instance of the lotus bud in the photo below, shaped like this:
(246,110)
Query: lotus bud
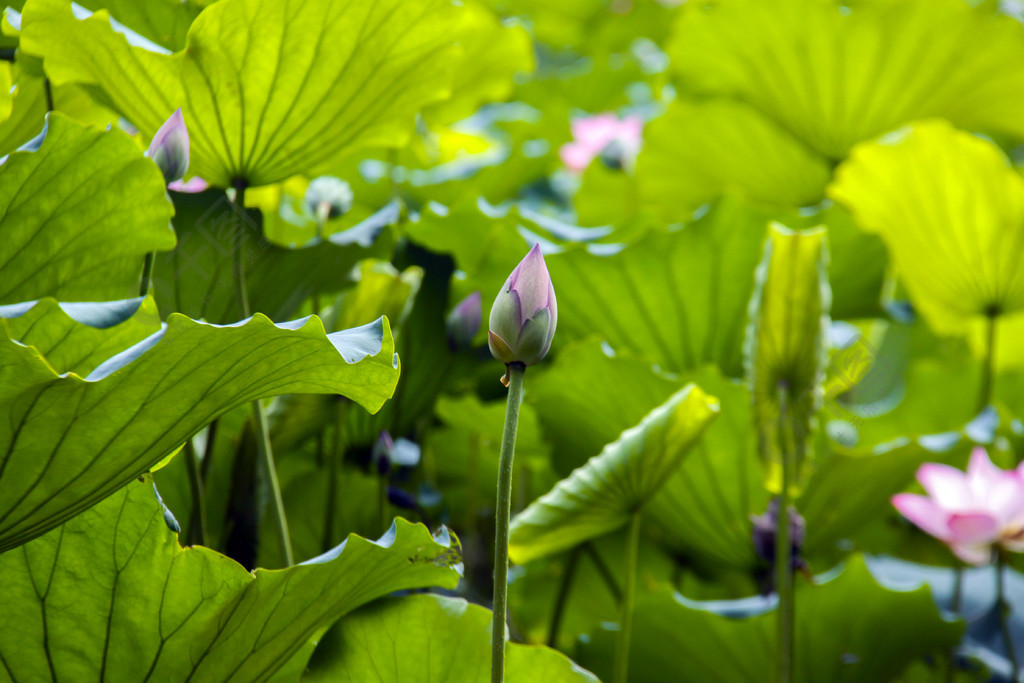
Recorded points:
(463,322)
(524,315)
(402,499)
(328,197)
(383,453)
(765,527)
(169,148)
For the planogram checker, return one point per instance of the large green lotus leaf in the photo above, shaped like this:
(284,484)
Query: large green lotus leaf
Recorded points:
(6,99)
(111,595)
(851,489)
(164,22)
(68,441)
(28,109)
(699,150)
(834,76)
(430,639)
(847,629)
(579,416)
(600,496)
(77,337)
(487,242)
(592,27)
(951,211)
(785,348)
(492,54)
(703,510)
(68,229)
(679,298)
(467,449)
(268,89)
(197,277)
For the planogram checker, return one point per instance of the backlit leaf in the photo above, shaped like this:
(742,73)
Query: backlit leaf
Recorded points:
(67,227)
(600,496)
(112,595)
(68,441)
(431,639)
(268,89)
(950,210)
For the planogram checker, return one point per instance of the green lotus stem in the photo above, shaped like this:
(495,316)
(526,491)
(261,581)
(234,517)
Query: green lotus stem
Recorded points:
(563,595)
(604,571)
(48,90)
(258,411)
(382,504)
(1004,614)
(211,441)
(988,364)
(783,554)
(334,459)
(147,274)
(502,512)
(621,674)
(197,533)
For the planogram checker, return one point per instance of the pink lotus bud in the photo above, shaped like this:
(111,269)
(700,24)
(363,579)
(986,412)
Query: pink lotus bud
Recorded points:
(169,148)
(463,322)
(970,512)
(524,315)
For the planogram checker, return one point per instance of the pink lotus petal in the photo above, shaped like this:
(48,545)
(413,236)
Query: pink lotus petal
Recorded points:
(532,283)
(947,485)
(631,134)
(191,186)
(595,131)
(971,528)
(981,472)
(576,156)
(995,489)
(972,554)
(924,513)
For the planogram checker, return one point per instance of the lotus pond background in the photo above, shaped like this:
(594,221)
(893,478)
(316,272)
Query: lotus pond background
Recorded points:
(732,196)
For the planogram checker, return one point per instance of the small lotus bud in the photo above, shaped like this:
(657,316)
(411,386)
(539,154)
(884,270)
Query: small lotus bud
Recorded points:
(463,322)
(764,530)
(328,197)
(402,499)
(383,453)
(169,148)
(524,315)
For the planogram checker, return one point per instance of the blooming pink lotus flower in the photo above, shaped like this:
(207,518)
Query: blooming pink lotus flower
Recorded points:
(594,135)
(524,314)
(169,151)
(971,511)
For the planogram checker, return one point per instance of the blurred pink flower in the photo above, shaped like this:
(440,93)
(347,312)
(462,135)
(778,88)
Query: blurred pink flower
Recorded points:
(971,511)
(191,186)
(593,135)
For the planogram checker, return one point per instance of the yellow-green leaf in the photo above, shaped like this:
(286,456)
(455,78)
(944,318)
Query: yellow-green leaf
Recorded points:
(599,497)
(785,352)
(950,209)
